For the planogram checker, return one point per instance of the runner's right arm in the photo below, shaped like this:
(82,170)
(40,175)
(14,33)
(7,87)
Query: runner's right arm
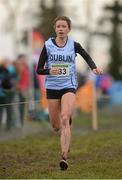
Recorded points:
(42,59)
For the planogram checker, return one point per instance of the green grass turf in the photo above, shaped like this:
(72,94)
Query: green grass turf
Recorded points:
(94,155)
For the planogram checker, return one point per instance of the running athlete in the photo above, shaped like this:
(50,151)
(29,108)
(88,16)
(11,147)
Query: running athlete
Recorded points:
(57,62)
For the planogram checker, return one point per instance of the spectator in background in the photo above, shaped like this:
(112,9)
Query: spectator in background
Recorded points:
(13,69)
(6,94)
(103,83)
(23,84)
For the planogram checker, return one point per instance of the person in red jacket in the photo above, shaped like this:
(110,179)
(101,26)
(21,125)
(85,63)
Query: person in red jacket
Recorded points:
(23,83)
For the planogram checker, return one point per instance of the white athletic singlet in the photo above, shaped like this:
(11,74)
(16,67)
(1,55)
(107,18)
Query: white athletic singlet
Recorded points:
(64,58)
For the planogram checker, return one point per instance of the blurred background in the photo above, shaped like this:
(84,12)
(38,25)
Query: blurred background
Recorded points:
(24,26)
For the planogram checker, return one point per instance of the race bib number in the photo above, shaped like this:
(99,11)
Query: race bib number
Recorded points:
(63,69)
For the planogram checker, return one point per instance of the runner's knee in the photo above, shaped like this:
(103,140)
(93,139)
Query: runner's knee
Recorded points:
(65,119)
(55,127)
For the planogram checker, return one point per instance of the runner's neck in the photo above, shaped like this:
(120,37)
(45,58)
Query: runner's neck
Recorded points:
(61,41)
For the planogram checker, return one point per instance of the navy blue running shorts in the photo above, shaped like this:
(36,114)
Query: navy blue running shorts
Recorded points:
(57,94)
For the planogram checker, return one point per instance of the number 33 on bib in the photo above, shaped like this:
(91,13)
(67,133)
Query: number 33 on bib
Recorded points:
(63,69)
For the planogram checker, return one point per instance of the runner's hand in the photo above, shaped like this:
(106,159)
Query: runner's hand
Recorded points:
(98,71)
(54,71)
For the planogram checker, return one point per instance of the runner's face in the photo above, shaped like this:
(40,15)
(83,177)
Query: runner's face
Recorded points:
(61,28)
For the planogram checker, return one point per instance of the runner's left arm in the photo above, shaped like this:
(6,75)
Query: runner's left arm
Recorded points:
(85,55)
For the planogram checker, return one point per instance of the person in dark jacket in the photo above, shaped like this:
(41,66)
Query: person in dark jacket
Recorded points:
(5,95)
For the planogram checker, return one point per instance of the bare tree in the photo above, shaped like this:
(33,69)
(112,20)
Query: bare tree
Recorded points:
(47,15)
(114,37)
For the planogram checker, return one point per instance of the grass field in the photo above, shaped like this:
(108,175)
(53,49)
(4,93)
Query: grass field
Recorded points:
(94,155)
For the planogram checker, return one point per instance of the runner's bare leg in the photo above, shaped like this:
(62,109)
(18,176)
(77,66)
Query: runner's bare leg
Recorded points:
(67,105)
(54,113)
